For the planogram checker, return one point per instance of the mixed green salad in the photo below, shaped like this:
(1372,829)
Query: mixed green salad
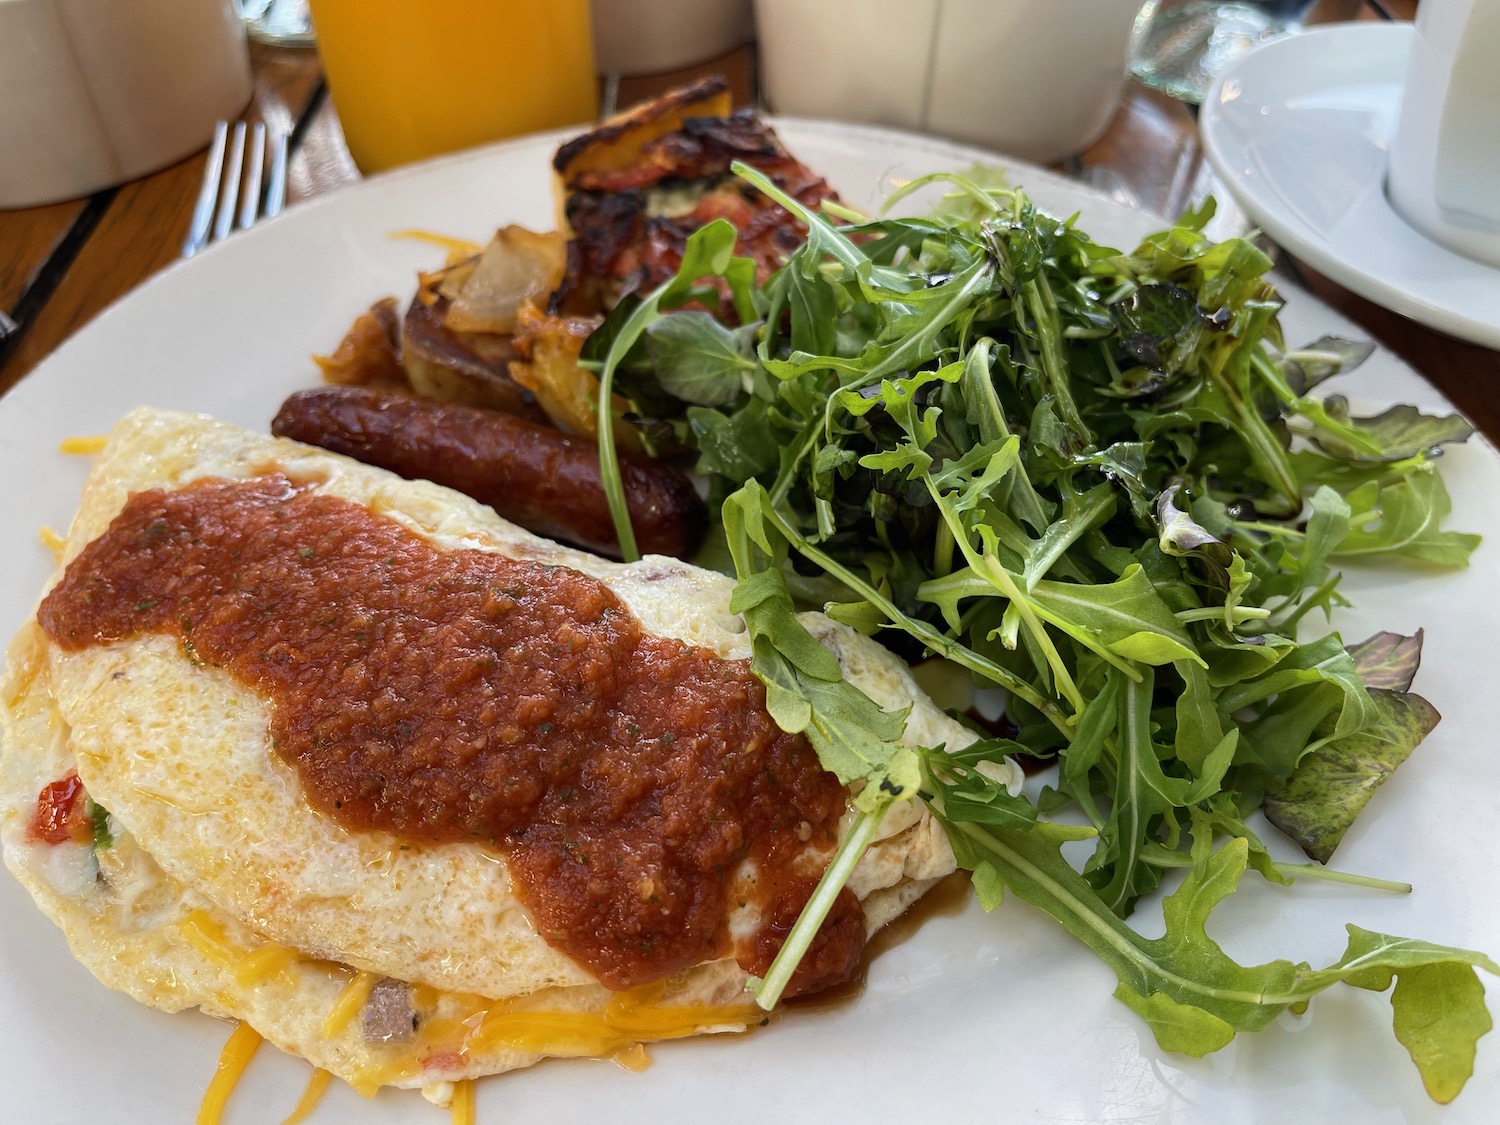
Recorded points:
(1098,482)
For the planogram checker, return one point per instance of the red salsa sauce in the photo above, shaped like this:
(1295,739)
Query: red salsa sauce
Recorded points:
(461,695)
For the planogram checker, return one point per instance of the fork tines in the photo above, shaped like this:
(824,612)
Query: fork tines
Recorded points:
(234,176)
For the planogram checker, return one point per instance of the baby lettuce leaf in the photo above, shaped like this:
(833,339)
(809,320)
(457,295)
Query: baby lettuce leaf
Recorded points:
(1388,660)
(1397,433)
(1333,784)
(1324,358)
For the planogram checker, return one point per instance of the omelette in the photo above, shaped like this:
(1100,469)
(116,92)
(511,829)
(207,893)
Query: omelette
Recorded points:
(416,794)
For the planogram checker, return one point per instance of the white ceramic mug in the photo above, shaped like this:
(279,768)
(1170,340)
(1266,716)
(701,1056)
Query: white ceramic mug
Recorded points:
(97,92)
(652,36)
(1445,157)
(1038,79)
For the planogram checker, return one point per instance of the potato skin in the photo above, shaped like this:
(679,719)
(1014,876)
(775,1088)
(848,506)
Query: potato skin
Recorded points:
(465,367)
(531,474)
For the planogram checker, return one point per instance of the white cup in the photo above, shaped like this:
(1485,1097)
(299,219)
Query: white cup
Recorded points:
(1038,79)
(97,92)
(652,36)
(1445,157)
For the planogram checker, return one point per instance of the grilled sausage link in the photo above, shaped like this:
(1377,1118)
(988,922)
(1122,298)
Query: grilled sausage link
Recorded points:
(531,474)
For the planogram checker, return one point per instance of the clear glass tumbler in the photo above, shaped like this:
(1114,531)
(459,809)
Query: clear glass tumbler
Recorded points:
(281,23)
(1187,42)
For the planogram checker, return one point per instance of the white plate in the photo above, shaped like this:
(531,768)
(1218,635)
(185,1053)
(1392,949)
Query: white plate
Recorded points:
(1000,1018)
(1299,129)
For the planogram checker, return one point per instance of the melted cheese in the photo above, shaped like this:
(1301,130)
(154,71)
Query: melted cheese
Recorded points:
(477,1024)
(463,1102)
(208,938)
(458,249)
(269,960)
(86,446)
(350,1001)
(633,1058)
(629,1019)
(53,542)
(233,1060)
(311,1096)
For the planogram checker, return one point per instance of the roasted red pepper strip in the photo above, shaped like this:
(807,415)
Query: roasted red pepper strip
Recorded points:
(60,816)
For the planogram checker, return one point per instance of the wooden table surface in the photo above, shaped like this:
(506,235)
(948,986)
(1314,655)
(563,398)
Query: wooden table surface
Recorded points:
(62,264)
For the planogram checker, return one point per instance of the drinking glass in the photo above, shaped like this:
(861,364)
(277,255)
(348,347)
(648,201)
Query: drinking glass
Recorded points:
(415,78)
(1183,44)
(281,23)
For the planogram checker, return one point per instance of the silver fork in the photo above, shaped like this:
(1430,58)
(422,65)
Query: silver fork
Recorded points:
(229,162)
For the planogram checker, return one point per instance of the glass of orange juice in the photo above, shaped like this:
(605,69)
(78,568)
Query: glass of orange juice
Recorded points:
(414,78)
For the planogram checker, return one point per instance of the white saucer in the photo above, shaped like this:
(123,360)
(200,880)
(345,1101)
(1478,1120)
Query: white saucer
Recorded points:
(1299,130)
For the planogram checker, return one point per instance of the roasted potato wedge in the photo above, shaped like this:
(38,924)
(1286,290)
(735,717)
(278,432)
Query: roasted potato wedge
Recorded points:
(472,368)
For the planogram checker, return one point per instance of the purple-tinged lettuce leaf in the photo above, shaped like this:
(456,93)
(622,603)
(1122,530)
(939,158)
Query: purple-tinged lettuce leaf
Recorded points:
(1159,326)
(1400,432)
(1324,358)
(1388,660)
(1331,786)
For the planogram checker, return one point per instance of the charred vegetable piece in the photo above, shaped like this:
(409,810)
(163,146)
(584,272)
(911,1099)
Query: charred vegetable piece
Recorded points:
(518,268)
(536,476)
(369,355)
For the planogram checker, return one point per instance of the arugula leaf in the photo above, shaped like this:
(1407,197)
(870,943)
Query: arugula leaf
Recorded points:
(1404,520)
(805,689)
(1440,1017)
(1194,997)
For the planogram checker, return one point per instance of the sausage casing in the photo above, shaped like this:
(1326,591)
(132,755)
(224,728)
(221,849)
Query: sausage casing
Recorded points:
(531,474)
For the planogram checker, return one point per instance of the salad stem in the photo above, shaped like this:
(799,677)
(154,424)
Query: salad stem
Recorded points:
(768,990)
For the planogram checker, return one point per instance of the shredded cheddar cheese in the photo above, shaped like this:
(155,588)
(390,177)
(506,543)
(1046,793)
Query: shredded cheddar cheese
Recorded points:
(633,1058)
(316,1085)
(84,446)
(631,1018)
(208,938)
(267,961)
(53,542)
(457,248)
(463,1103)
(350,1001)
(233,1060)
(469,1024)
